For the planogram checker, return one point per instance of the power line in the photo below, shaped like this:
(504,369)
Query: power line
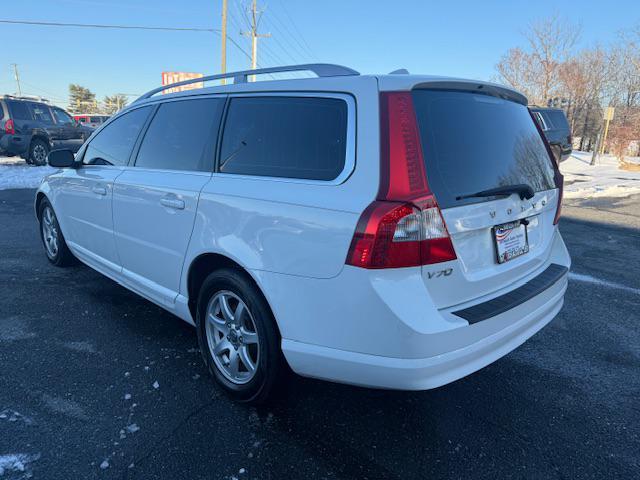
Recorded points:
(285,35)
(127,27)
(293,24)
(288,51)
(133,27)
(121,27)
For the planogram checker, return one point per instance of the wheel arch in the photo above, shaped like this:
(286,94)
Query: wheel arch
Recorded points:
(206,263)
(39,135)
(40,196)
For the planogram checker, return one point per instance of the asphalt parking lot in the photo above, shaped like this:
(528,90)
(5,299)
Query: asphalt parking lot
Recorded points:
(99,383)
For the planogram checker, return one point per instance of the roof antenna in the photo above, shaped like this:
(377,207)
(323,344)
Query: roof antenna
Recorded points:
(400,71)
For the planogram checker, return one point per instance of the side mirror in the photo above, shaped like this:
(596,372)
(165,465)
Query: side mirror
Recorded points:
(61,158)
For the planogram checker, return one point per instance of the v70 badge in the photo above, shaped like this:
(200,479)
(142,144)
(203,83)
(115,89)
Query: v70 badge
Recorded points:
(441,273)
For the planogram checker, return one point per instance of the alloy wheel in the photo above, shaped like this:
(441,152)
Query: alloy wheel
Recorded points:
(39,154)
(50,231)
(232,337)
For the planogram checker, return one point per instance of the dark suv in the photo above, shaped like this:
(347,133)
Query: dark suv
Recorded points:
(31,128)
(556,128)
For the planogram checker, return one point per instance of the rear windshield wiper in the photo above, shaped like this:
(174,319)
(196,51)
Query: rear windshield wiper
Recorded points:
(522,189)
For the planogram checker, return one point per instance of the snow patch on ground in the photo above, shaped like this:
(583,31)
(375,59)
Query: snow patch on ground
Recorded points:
(15,173)
(82,346)
(604,179)
(13,329)
(17,463)
(133,428)
(13,416)
(65,407)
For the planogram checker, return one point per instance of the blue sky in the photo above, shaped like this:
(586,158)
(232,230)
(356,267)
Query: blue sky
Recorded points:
(458,38)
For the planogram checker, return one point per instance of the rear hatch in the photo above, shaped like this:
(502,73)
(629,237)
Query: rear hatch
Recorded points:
(474,142)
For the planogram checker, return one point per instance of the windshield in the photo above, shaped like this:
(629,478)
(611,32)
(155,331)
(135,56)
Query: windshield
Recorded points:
(474,142)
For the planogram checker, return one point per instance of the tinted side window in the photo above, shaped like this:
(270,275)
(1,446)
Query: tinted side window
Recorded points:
(114,143)
(62,116)
(559,120)
(285,137)
(41,113)
(540,120)
(19,111)
(178,134)
(548,120)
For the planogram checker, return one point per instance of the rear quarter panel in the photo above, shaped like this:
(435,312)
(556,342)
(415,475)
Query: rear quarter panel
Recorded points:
(293,227)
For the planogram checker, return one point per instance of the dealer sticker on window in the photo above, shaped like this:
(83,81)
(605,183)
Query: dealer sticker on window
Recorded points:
(511,240)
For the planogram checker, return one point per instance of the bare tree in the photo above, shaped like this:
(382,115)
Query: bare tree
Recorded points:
(551,42)
(585,81)
(536,70)
(516,69)
(549,71)
(625,94)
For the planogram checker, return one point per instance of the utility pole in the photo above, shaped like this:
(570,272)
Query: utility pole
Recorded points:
(17,77)
(255,20)
(223,66)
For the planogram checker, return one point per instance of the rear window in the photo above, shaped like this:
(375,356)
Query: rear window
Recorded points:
(558,119)
(291,137)
(474,142)
(19,111)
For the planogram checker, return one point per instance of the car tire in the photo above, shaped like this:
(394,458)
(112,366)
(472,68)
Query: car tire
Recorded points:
(231,365)
(38,152)
(55,246)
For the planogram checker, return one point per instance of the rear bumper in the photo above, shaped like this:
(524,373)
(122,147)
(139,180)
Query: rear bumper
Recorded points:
(381,329)
(431,372)
(14,144)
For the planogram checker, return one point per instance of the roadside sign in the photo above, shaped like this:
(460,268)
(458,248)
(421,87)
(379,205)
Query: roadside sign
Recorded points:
(173,77)
(608,113)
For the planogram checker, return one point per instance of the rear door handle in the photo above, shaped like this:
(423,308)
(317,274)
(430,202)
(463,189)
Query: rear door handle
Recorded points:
(174,203)
(99,189)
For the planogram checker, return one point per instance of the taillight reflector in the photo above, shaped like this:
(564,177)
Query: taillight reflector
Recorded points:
(404,227)
(9,127)
(402,173)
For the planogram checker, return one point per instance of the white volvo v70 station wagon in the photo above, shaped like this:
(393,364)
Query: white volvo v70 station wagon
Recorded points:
(395,231)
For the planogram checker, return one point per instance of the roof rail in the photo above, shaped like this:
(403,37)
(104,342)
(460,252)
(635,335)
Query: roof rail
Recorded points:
(32,98)
(320,69)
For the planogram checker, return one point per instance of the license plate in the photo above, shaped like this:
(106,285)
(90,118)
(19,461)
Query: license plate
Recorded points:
(511,240)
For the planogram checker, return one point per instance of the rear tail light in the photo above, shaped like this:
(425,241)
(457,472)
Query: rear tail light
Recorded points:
(404,227)
(9,127)
(558,178)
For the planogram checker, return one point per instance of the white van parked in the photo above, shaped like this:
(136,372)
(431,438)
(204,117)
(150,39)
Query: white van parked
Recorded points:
(395,231)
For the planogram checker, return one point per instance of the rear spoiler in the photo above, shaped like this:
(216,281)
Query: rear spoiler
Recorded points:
(492,89)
